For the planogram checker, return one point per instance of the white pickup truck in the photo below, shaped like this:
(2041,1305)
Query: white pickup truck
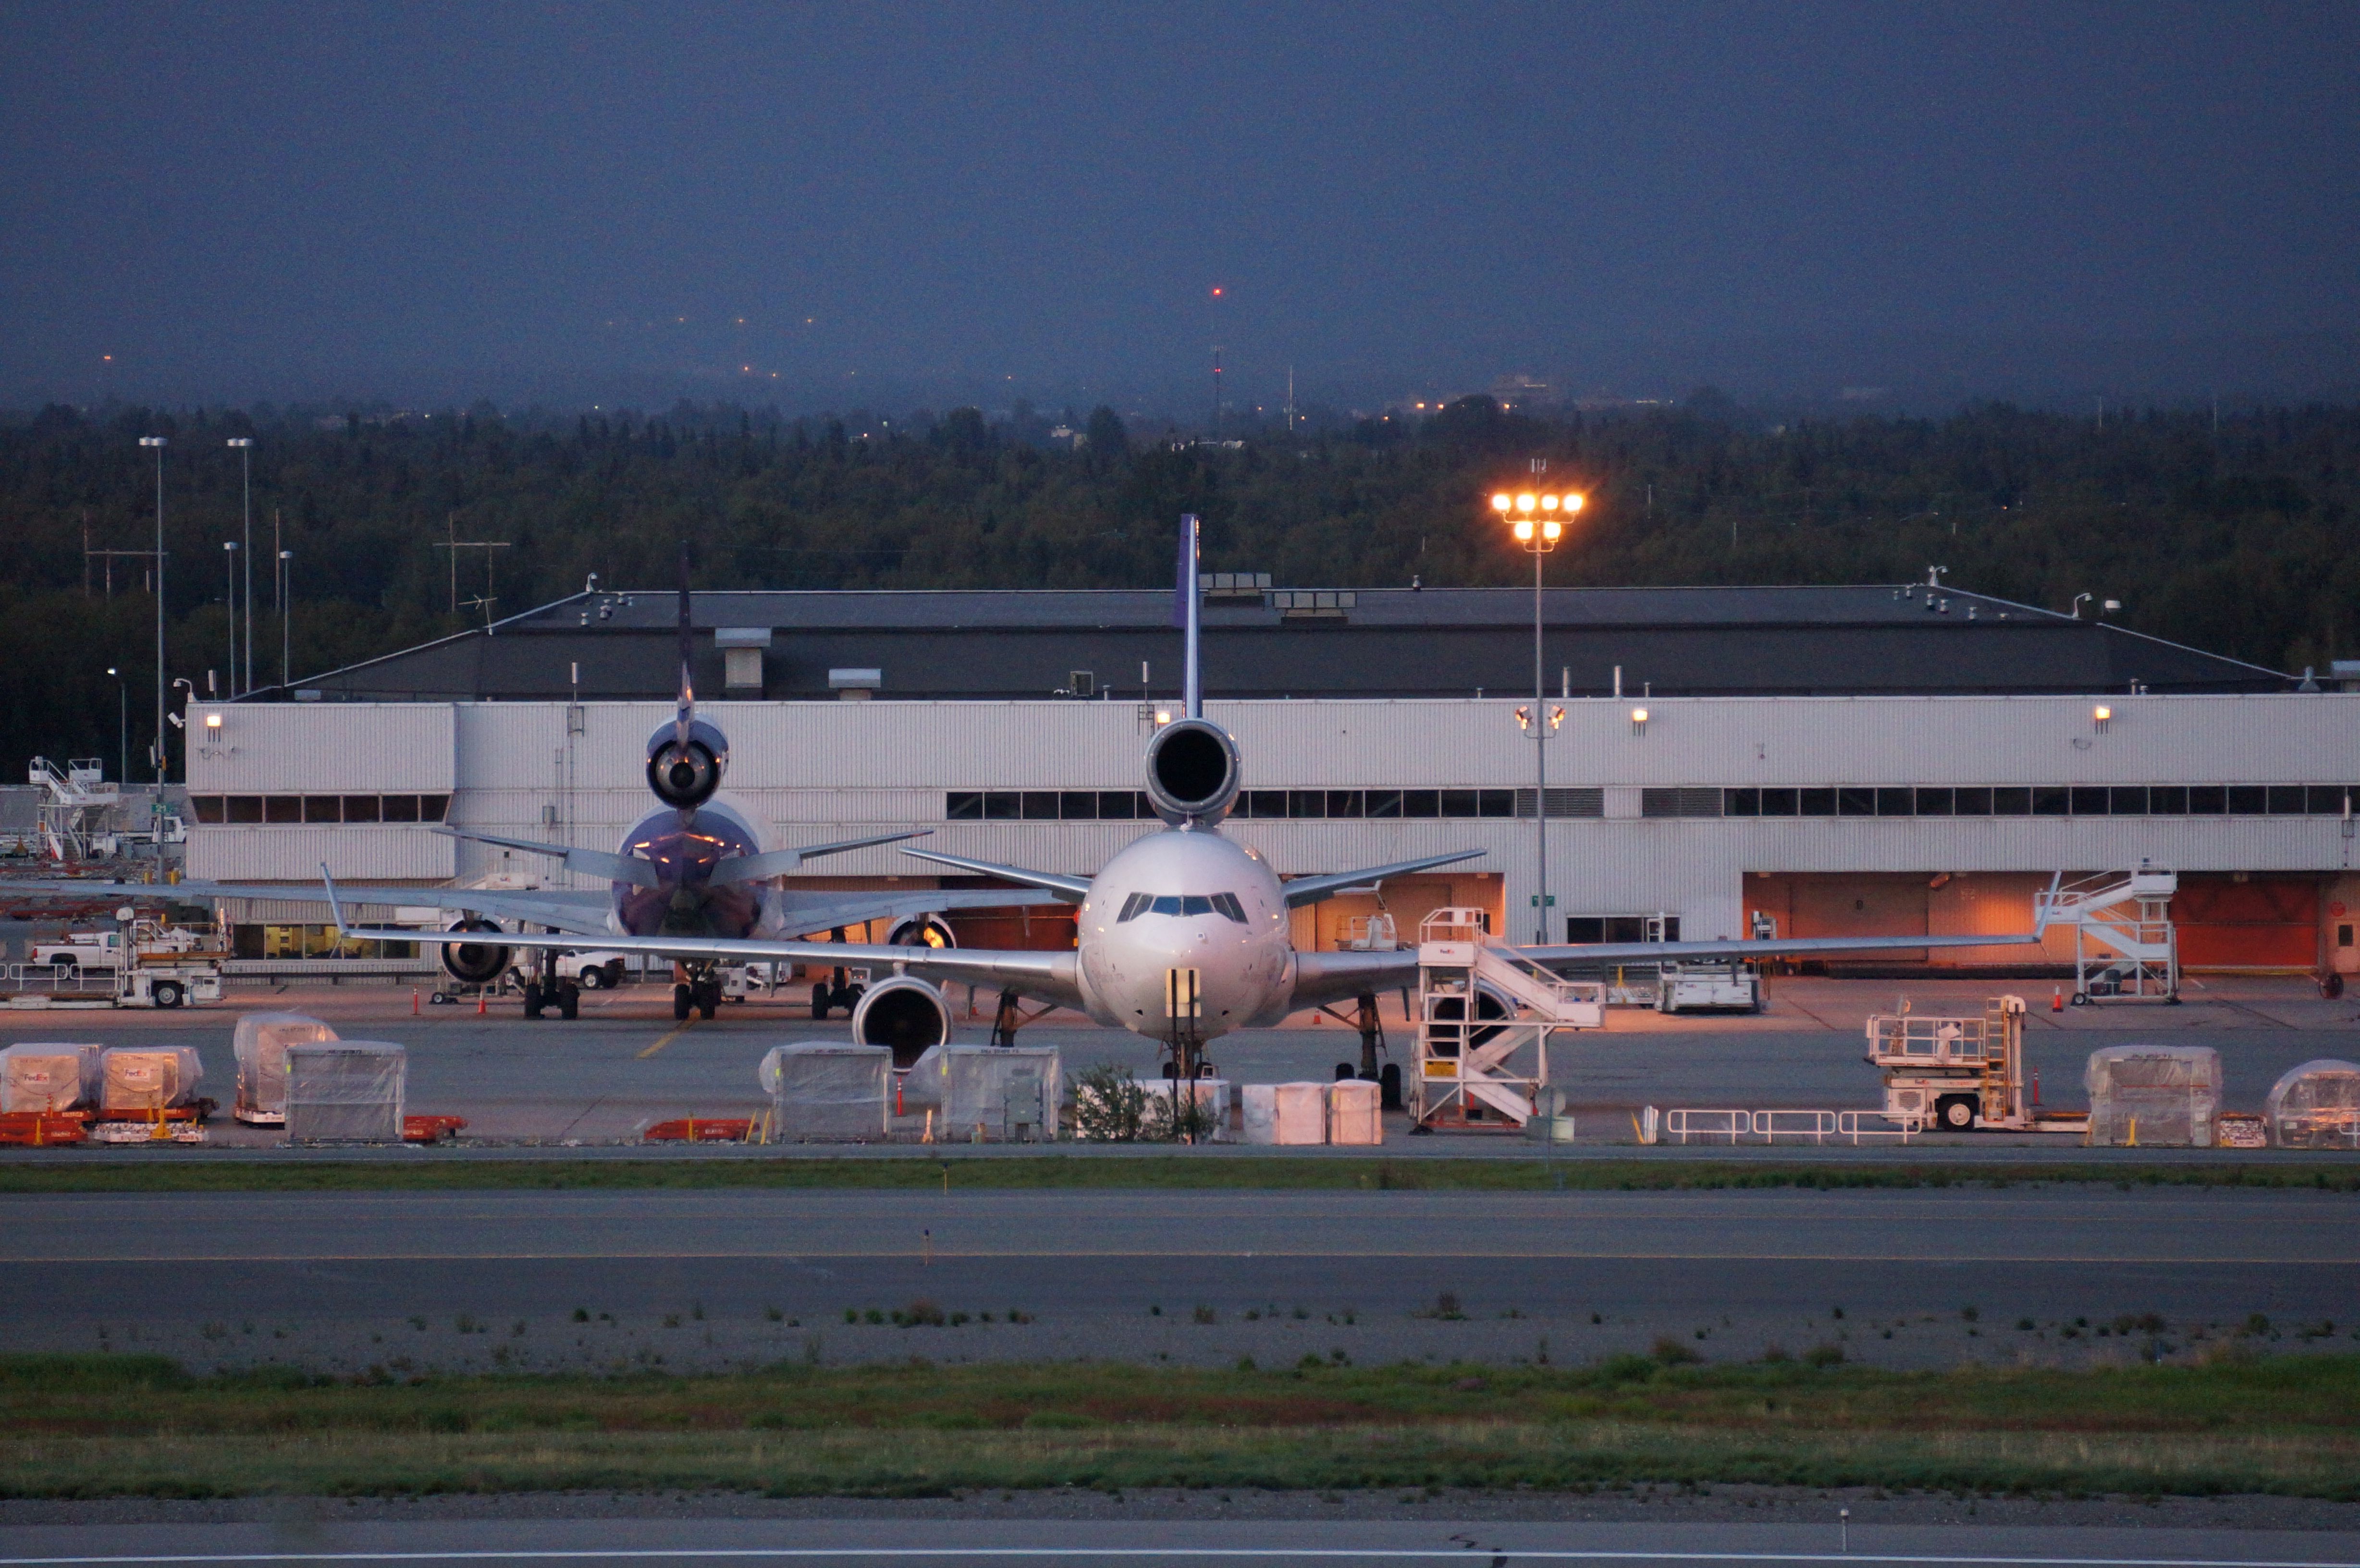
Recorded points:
(104,949)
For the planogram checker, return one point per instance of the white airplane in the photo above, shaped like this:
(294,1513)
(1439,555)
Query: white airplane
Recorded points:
(1182,937)
(692,874)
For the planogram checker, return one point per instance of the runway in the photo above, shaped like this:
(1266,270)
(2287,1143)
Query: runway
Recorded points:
(1149,1541)
(722,1278)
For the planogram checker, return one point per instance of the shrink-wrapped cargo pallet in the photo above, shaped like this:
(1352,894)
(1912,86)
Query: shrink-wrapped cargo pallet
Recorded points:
(2154,1095)
(822,1092)
(347,1091)
(260,1047)
(2316,1106)
(141,1081)
(987,1093)
(49,1075)
(1294,1114)
(1354,1112)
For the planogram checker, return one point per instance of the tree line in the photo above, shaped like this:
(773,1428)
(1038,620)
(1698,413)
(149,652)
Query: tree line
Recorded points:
(2234,534)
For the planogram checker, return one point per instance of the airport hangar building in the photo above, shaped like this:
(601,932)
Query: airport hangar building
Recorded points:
(1881,759)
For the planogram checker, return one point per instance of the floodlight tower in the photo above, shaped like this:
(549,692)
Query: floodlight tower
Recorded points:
(1538,519)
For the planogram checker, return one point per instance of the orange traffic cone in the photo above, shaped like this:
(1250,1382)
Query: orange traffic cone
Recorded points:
(2056,1002)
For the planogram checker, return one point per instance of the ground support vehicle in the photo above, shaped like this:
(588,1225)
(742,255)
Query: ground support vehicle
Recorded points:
(1955,1075)
(1709,988)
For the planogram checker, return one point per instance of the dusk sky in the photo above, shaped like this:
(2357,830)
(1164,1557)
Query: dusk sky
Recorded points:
(827,204)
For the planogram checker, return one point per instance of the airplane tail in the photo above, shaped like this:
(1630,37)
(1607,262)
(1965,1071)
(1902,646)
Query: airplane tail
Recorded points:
(1187,615)
(685,715)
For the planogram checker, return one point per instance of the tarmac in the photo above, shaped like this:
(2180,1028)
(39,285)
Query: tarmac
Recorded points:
(601,1080)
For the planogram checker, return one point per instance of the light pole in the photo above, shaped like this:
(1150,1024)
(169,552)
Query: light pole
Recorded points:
(157,443)
(286,609)
(245,445)
(1538,519)
(122,722)
(229,551)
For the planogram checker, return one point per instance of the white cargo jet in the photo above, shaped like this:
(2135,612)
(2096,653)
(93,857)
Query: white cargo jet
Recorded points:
(1182,937)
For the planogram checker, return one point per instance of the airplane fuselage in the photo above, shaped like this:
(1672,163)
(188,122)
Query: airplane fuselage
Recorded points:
(685,848)
(1186,899)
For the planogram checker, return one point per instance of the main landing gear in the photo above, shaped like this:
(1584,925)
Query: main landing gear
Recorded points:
(699,994)
(540,996)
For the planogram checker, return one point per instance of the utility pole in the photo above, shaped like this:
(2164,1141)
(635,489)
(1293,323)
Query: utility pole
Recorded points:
(157,443)
(245,445)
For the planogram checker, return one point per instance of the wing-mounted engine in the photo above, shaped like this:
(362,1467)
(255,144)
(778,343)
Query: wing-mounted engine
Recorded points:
(472,962)
(923,930)
(1491,1002)
(685,770)
(1193,772)
(903,1014)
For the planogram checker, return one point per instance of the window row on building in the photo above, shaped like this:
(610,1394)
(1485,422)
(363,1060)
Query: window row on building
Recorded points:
(1126,805)
(2007,800)
(1690,801)
(306,810)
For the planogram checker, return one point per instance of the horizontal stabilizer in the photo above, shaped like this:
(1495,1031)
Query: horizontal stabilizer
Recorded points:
(1073,887)
(589,862)
(779,862)
(1311,890)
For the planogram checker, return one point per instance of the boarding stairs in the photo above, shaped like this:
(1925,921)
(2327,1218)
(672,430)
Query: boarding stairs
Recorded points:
(1485,1018)
(2124,943)
(72,799)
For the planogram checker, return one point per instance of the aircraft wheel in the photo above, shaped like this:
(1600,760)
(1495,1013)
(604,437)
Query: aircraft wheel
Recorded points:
(532,998)
(820,1001)
(680,1004)
(569,1002)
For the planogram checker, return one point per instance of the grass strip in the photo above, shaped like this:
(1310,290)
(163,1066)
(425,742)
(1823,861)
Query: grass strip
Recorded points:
(66,1174)
(114,1425)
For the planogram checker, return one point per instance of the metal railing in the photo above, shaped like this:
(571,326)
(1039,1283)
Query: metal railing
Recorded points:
(1683,1124)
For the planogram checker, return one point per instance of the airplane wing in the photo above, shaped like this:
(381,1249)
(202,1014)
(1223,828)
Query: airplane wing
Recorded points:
(1311,890)
(583,911)
(1778,947)
(800,911)
(1324,977)
(1072,889)
(1048,976)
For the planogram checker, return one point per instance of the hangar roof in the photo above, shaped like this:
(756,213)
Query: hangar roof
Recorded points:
(1885,639)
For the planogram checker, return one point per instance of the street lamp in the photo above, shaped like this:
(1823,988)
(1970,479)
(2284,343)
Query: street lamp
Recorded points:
(229,551)
(122,724)
(245,445)
(1538,519)
(286,609)
(157,443)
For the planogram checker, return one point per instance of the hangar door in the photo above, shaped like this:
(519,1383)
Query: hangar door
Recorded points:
(2263,923)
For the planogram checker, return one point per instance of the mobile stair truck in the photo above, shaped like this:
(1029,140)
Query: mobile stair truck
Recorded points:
(1960,1074)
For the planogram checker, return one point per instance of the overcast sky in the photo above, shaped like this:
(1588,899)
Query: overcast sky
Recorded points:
(432,202)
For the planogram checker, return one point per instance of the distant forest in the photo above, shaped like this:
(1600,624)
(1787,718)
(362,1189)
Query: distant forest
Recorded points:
(2240,537)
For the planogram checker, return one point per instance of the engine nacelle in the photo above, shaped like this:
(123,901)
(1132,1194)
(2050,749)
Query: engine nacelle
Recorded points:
(1489,1003)
(923,930)
(685,775)
(1193,772)
(475,962)
(903,1014)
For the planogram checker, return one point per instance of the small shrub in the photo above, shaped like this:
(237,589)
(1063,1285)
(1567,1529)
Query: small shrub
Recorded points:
(774,1314)
(1824,1356)
(1670,1352)
(1968,1315)
(1109,1104)
(1204,1314)
(920,1313)
(581,1314)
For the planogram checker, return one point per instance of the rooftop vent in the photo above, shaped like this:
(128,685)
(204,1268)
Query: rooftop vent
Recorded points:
(1307,603)
(1233,584)
(855,685)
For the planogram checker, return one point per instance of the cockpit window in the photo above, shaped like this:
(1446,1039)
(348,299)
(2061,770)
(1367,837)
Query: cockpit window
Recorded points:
(1225,905)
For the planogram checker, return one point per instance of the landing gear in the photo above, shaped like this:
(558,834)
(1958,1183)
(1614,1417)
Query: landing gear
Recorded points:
(568,1001)
(533,999)
(708,996)
(821,994)
(681,1003)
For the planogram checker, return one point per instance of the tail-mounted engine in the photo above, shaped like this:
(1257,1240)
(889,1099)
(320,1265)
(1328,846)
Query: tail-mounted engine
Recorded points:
(475,962)
(905,1015)
(685,775)
(1192,771)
